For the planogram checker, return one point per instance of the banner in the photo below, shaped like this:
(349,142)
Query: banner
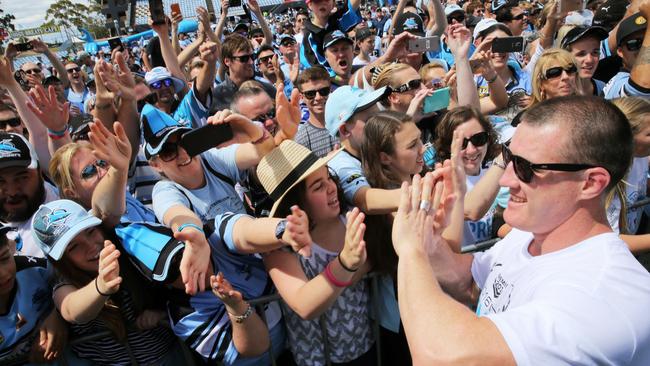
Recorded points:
(30,32)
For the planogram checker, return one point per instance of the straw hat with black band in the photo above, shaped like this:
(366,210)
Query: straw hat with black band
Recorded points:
(286,166)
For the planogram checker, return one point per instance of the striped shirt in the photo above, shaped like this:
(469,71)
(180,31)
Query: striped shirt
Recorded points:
(318,140)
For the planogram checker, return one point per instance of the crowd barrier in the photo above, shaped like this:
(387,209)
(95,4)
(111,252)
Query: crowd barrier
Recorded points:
(260,302)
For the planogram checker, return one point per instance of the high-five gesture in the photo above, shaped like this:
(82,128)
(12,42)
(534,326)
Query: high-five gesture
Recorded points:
(222,289)
(113,148)
(196,259)
(47,108)
(354,253)
(108,278)
(296,234)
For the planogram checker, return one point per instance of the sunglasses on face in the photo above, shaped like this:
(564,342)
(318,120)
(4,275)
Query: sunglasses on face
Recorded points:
(159,84)
(287,43)
(477,140)
(151,98)
(411,85)
(13,122)
(74,69)
(268,115)
(525,170)
(458,18)
(91,169)
(311,94)
(168,152)
(633,44)
(33,71)
(244,58)
(265,59)
(555,72)
(520,16)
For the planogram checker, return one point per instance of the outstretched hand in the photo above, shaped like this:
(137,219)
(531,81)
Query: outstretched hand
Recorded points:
(222,289)
(113,148)
(243,129)
(196,259)
(354,252)
(52,114)
(108,277)
(296,234)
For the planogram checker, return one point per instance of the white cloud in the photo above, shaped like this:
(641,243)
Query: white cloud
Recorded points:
(29,13)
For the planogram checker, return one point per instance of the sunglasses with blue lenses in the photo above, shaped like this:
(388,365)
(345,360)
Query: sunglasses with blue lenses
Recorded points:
(91,170)
(159,84)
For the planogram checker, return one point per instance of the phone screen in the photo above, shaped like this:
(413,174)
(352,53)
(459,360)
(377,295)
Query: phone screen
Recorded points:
(234,3)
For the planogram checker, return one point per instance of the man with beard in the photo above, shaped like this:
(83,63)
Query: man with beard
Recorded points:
(22,189)
(238,59)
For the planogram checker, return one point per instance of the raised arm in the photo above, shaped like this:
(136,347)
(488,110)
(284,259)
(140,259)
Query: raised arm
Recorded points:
(176,46)
(376,201)
(82,305)
(498,98)
(186,54)
(459,41)
(168,54)
(109,196)
(310,298)
(437,19)
(287,113)
(640,73)
(53,116)
(222,18)
(40,46)
(205,79)
(255,8)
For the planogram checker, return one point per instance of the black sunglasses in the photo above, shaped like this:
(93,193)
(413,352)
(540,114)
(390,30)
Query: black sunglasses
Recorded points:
(74,69)
(151,98)
(13,122)
(265,59)
(633,44)
(311,94)
(244,58)
(477,139)
(411,85)
(91,169)
(458,18)
(287,43)
(263,117)
(525,170)
(520,16)
(33,71)
(168,152)
(159,84)
(555,72)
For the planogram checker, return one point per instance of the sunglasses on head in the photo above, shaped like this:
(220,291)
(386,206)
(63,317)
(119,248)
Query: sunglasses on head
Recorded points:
(555,72)
(458,18)
(33,71)
(244,58)
(91,170)
(411,85)
(13,122)
(525,170)
(633,44)
(311,94)
(265,116)
(159,84)
(477,139)
(151,98)
(74,69)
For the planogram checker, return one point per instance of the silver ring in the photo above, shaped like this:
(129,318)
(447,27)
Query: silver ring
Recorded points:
(425,205)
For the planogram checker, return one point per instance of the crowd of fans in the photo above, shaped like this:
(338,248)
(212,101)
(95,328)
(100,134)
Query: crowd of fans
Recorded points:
(151,191)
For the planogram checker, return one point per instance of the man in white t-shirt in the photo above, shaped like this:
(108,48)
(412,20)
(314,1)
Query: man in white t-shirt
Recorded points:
(561,288)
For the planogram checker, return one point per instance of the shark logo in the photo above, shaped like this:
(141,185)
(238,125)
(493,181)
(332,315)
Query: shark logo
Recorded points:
(337,34)
(7,149)
(50,224)
(410,24)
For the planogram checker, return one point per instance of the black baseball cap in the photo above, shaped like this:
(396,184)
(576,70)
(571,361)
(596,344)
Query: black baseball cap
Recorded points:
(629,25)
(582,31)
(335,36)
(362,33)
(16,151)
(409,22)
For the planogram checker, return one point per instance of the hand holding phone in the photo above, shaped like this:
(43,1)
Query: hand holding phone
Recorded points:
(115,44)
(157,12)
(424,44)
(508,44)
(437,101)
(205,138)
(22,47)
(175,9)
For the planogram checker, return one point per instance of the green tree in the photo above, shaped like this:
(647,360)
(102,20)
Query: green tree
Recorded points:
(6,19)
(66,13)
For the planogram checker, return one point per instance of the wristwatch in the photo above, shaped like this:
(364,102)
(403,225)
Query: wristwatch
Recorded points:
(280,228)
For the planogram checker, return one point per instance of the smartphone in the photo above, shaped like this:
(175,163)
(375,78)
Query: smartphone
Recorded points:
(176,9)
(437,101)
(508,44)
(234,3)
(115,43)
(157,11)
(424,44)
(205,138)
(22,47)
(570,5)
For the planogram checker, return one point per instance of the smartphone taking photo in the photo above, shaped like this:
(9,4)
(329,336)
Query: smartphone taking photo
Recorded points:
(157,11)
(508,44)
(205,138)
(424,44)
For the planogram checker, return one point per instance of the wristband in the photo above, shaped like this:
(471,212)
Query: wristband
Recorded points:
(493,79)
(244,316)
(331,279)
(189,224)
(265,135)
(99,292)
(344,266)
(55,137)
(59,133)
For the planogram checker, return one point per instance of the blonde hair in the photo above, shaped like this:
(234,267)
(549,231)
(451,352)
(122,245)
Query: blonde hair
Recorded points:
(550,58)
(384,76)
(61,165)
(424,71)
(635,109)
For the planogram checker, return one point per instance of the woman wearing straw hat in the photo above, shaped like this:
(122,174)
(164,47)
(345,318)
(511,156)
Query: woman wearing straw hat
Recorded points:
(326,283)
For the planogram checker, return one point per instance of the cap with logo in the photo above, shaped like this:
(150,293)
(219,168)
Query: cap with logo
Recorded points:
(346,101)
(16,151)
(630,25)
(335,36)
(582,31)
(409,22)
(157,127)
(161,73)
(56,223)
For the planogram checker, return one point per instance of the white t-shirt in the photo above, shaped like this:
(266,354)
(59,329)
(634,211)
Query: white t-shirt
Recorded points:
(358,61)
(635,189)
(27,245)
(583,305)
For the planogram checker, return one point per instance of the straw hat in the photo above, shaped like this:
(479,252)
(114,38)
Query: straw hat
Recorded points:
(284,167)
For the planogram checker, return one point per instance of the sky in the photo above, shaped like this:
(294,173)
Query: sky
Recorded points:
(28,13)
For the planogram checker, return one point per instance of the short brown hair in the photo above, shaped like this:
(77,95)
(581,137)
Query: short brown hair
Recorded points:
(315,73)
(456,117)
(233,43)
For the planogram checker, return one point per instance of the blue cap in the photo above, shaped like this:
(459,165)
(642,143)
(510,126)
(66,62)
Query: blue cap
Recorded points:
(157,127)
(56,223)
(346,101)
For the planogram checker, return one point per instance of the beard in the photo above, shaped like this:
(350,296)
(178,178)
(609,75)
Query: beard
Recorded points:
(33,204)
